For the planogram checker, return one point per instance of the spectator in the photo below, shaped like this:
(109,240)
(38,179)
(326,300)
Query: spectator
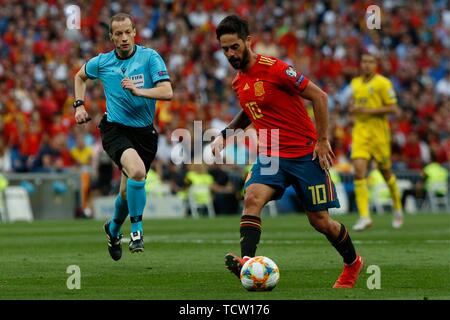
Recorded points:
(434,178)
(224,194)
(201,181)
(411,152)
(267,46)
(175,176)
(50,157)
(81,153)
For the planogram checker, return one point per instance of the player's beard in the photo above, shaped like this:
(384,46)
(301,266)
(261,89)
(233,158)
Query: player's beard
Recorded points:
(240,63)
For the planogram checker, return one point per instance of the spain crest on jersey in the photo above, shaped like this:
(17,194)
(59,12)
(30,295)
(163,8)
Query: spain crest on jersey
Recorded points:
(259,88)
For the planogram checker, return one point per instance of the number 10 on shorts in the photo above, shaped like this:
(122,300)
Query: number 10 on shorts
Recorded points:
(318,194)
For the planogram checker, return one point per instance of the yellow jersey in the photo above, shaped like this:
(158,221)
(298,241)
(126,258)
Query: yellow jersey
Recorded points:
(378,92)
(82,156)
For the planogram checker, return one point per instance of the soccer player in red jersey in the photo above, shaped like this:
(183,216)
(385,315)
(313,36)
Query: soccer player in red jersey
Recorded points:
(270,93)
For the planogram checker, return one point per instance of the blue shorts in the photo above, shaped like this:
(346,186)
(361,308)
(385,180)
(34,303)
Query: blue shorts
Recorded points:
(312,184)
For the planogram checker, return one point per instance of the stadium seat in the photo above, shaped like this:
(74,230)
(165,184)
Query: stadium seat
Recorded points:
(437,197)
(17,204)
(380,198)
(199,196)
(411,206)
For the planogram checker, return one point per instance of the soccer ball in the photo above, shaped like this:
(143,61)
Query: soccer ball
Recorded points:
(259,274)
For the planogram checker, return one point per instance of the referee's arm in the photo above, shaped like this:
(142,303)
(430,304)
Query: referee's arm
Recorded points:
(81,116)
(162,90)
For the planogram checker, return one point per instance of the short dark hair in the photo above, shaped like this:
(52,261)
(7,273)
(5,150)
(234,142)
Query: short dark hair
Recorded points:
(120,17)
(233,25)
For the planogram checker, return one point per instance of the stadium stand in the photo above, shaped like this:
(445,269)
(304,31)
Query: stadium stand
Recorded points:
(39,57)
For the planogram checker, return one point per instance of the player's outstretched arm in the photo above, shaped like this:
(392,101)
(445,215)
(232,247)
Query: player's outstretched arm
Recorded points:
(320,105)
(162,90)
(81,116)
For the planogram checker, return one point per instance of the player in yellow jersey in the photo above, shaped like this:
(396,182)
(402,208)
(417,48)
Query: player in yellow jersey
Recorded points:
(373,100)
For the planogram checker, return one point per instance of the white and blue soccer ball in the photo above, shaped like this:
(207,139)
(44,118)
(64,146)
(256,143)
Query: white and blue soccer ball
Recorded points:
(260,274)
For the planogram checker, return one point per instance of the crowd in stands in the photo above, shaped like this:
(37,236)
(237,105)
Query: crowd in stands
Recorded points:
(39,57)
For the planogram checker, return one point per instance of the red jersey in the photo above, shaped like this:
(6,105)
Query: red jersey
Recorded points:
(269,94)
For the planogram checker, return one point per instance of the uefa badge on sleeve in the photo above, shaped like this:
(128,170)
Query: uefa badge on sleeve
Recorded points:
(290,71)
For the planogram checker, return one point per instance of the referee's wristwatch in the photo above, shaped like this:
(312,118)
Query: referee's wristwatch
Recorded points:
(78,103)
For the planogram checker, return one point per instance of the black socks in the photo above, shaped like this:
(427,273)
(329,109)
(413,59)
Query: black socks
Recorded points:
(250,228)
(344,245)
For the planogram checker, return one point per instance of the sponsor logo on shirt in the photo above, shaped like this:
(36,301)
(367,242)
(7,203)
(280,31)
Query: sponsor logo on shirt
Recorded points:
(138,80)
(162,73)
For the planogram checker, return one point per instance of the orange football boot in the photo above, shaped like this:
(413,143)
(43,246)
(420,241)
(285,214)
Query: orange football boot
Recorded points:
(349,276)
(234,263)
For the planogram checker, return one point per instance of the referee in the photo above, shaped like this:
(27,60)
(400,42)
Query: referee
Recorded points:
(133,77)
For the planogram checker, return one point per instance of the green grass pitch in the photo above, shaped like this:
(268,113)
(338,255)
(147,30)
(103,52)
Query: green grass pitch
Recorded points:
(183,259)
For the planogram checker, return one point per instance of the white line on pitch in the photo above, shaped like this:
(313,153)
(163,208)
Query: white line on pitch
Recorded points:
(226,241)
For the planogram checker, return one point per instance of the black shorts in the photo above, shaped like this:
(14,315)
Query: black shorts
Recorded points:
(116,138)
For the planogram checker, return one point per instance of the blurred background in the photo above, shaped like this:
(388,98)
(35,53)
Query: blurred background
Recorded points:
(65,172)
